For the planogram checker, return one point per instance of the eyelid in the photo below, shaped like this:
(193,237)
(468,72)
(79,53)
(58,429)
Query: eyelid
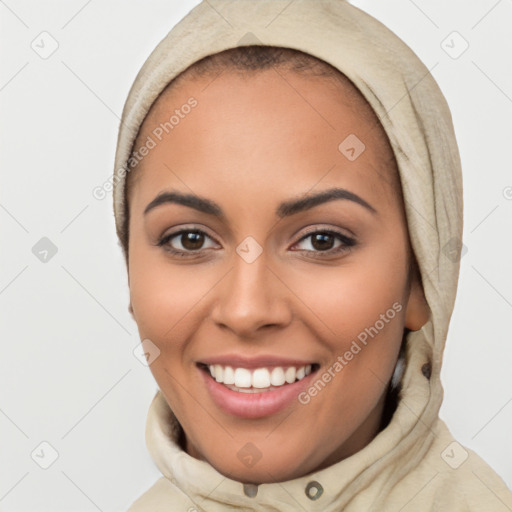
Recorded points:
(164,240)
(315,228)
(347,242)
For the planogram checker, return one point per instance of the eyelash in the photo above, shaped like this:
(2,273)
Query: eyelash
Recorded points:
(347,242)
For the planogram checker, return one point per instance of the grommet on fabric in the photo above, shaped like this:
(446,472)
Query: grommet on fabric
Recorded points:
(426,369)
(250,490)
(314,490)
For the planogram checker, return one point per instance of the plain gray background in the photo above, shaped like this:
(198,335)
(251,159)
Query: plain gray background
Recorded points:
(68,376)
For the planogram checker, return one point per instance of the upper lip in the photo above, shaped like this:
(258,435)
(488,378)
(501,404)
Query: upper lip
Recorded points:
(262,361)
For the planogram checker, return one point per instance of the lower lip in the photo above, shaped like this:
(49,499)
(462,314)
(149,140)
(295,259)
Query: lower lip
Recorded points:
(254,405)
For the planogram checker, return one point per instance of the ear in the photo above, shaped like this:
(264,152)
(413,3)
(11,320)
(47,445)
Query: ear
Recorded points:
(417,311)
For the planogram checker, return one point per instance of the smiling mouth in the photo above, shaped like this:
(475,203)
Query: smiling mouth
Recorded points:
(257,380)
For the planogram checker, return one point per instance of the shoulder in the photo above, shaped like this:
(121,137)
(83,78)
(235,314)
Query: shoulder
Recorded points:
(452,477)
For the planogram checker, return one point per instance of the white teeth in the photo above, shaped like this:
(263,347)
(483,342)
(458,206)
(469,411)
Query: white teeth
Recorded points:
(242,378)
(219,373)
(259,378)
(229,375)
(277,377)
(289,375)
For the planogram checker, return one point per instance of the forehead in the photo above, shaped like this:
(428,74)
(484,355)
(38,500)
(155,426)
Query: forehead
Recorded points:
(264,131)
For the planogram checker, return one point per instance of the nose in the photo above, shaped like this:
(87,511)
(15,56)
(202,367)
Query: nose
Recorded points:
(251,298)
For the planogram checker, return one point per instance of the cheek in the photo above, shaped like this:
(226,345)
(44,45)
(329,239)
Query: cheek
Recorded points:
(166,300)
(359,313)
(351,297)
(162,294)
(170,303)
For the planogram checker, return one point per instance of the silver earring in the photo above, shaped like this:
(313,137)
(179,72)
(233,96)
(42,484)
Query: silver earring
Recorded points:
(399,372)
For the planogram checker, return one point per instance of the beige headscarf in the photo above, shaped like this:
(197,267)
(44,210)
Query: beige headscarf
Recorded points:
(414,464)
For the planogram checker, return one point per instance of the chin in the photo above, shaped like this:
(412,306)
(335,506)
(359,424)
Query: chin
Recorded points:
(262,471)
(262,462)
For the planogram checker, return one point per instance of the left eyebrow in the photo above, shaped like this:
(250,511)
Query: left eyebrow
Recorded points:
(299,205)
(285,209)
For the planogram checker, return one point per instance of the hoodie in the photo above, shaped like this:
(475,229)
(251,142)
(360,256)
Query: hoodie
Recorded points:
(414,463)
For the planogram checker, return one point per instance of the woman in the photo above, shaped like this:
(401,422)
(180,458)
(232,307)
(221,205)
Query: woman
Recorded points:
(288,199)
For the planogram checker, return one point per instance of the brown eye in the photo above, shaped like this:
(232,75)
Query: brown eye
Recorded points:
(192,240)
(327,242)
(186,242)
(322,241)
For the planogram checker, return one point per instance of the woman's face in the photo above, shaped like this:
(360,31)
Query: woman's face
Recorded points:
(268,285)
